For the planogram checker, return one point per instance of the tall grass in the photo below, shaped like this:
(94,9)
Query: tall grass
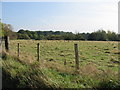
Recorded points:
(17,74)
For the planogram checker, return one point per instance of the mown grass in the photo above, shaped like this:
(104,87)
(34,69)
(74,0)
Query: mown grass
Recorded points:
(98,69)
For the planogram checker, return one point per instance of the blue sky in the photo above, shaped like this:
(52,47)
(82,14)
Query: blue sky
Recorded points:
(64,16)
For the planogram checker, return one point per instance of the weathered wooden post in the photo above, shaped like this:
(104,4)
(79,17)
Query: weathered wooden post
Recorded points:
(76,56)
(65,62)
(6,43)
(18,50)
(38,51)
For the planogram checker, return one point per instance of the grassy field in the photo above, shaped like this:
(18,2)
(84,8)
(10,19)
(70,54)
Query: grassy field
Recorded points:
(98,62)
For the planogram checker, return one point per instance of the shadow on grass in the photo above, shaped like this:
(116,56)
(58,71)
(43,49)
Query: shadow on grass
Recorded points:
(8,81)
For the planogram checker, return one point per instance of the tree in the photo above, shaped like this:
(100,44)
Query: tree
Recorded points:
(92,36)
(23,36)
(41,37)
(99,35)
(112,36)
(1,31)
(7,30)
(78,36)
(68,36)
(54,37)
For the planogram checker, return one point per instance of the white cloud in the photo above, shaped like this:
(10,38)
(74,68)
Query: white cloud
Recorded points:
(105,16)
(101,14)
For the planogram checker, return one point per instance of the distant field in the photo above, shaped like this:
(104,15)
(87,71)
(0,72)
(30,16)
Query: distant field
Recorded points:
(98,63)
(103,54)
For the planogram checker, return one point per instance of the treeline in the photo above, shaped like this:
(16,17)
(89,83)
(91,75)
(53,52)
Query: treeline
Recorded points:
(99,35)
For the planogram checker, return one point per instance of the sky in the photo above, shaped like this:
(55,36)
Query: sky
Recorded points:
(80,16)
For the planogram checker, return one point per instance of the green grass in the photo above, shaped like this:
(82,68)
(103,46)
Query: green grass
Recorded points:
(98,64)
(19,75)
(100,53)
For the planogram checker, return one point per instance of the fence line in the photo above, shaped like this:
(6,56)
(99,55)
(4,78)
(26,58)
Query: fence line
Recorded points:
(38,54)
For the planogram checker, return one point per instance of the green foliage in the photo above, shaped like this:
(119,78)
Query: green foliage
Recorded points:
(99,35)
(1,29)
(6,30)
(79,37)
(54,37)
(112,36)
(23,36)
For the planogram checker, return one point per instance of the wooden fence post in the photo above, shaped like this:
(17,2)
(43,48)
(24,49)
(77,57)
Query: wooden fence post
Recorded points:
(38,51)
(76,56)
(65,62)
(18,50)
(6,43)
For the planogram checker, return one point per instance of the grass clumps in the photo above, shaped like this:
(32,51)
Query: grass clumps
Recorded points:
(63,80)
(111,84)
(50,74)
(18,75)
